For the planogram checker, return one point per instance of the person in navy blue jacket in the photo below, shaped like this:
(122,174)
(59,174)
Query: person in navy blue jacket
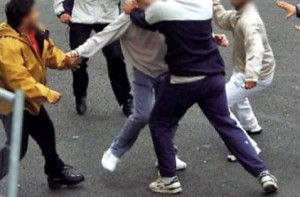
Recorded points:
(196,77)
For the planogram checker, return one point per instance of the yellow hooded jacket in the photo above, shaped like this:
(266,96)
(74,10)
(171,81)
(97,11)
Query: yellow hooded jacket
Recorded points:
(22,68)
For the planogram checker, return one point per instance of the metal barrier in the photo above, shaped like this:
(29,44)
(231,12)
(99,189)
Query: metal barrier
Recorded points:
(17,122)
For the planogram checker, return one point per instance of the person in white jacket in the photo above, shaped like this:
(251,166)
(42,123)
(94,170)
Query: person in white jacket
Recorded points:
(83,17)
(253,59)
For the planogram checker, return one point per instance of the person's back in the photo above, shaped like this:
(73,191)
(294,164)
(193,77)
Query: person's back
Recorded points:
(186,25)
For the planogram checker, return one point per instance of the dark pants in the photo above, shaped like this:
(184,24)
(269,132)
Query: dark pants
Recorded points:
(79,33)
(41,129)
(210,95)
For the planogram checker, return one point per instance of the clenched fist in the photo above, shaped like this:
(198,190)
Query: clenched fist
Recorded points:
(221,40)
(65,18)
(57,97)
(250,85)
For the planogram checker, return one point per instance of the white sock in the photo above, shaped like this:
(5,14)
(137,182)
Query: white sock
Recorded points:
(168,179)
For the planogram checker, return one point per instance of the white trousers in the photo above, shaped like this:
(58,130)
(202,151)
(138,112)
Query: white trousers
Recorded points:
(238,100)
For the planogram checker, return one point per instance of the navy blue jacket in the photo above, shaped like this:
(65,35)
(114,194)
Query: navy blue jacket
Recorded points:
(186,24)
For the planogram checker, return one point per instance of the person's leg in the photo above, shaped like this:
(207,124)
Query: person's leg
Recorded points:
(79,33)
(43,132)
(143,103)
(215,107)
(238,101)
(117,73)
(41,129)
(172,103)
(4,152)
(158,85)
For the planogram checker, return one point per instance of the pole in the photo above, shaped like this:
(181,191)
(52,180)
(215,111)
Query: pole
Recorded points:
(14,156)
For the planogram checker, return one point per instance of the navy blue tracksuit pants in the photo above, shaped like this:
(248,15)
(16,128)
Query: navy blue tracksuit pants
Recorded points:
(209,93)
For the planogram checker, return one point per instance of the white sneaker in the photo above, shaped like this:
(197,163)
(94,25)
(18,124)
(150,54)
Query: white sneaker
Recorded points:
(232,158)
(164,187)
(255,130)
(268,182)
(180,165)
(109,161)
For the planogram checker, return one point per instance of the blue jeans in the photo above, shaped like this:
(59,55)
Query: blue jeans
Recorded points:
(145,89)
(210,95)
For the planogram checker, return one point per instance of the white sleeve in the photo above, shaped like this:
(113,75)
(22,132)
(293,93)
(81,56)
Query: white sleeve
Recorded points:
(58,7)
(153,13)
(111,33)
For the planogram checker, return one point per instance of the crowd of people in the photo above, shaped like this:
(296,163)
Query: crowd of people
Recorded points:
(176,63)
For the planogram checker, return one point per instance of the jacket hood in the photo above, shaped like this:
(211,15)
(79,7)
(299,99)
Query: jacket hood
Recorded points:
(8,31)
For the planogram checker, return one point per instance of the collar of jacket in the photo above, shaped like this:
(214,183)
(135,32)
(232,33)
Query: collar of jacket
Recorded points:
(7,31)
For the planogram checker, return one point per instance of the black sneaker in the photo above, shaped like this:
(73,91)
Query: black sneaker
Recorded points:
(68,177)
(81,106)
(127,107)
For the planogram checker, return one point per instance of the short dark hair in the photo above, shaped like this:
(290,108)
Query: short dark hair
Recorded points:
(16,10)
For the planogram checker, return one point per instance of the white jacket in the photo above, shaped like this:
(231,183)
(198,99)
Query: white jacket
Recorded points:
(88,11)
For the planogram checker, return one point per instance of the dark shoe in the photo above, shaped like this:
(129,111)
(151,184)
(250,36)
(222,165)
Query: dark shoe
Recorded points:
(127,107)
(68,177)
(81,106)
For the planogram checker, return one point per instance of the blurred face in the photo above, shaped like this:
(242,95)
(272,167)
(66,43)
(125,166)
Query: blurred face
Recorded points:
(32,20)
(239,3)
(144,4)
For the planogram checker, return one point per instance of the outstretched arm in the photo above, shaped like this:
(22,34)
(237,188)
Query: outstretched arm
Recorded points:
(290,9)
(111,33)
(223,18)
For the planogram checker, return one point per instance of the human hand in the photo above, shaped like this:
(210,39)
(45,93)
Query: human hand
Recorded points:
(290,9)
(72,62)
(250,85)
(65,18)
(72,54)
(57,97)
(129,5)
(221,40)
(297,27)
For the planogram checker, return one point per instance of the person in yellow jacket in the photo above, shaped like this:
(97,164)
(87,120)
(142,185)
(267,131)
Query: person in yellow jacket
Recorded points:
(26,51)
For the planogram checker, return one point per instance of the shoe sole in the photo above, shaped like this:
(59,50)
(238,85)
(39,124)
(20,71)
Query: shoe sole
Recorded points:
(55,186)
(255,132)
(171,191)
(181,169)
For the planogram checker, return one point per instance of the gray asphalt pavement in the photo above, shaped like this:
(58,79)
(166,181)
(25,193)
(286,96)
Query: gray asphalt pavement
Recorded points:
(82,140)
